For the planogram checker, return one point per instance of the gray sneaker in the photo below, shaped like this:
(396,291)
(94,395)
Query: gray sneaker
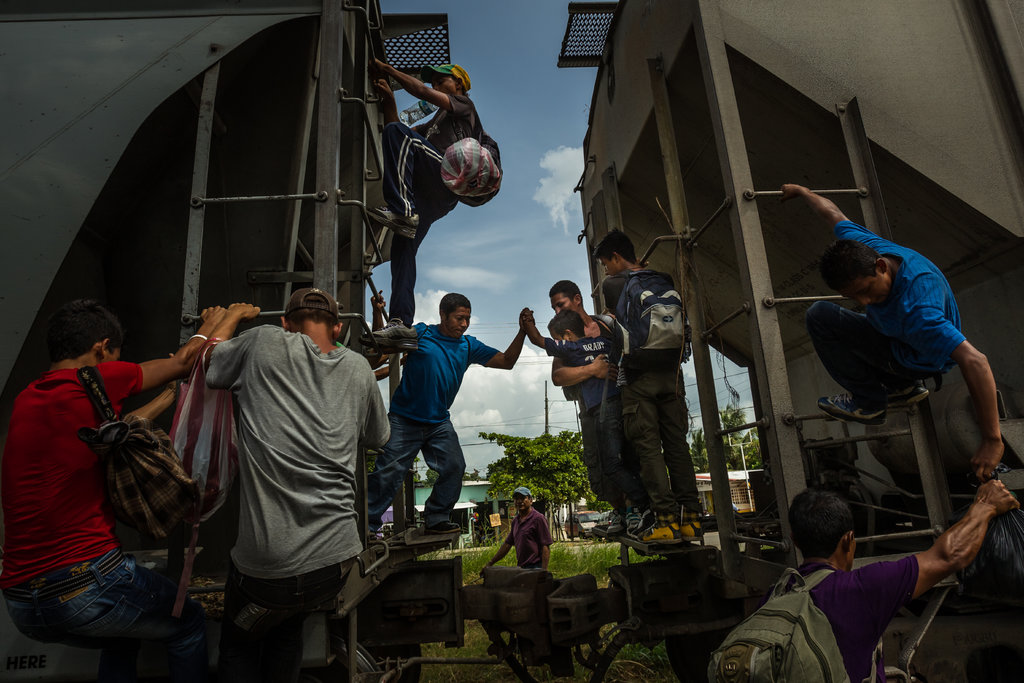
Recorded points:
(646,522)
(643,522)
(395,335)
(401,225)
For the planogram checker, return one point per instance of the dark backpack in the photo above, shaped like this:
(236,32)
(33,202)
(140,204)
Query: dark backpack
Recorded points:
(787,639)
(650,317)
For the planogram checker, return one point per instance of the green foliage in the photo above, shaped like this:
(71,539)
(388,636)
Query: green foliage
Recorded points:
(738,445)
(550,465)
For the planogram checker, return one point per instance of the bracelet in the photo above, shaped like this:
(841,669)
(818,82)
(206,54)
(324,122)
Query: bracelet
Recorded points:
(199,336)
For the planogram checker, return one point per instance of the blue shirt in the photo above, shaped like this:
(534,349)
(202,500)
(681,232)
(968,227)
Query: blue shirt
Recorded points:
(583,352)
(433,374)
(920,313)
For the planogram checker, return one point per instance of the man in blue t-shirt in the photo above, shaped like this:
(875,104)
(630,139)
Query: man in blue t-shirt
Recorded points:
(419,413)
(860,603)
(910,330)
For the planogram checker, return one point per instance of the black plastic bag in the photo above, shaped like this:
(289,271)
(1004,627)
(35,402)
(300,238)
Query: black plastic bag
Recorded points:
(997,572)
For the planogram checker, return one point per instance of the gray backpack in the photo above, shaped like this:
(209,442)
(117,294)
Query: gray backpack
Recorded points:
(787,639)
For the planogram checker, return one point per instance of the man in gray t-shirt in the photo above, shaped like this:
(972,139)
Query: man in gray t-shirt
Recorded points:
(304,406)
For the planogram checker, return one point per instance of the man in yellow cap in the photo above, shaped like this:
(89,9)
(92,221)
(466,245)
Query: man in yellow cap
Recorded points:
(415,194)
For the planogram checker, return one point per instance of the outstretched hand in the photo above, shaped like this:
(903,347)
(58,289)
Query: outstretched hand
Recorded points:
(526,318)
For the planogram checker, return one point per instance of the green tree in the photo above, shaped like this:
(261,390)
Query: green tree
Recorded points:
(550,465)
(698,450)
(738,444)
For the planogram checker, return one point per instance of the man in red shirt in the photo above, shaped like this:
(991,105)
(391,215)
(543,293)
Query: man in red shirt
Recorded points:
(65,578)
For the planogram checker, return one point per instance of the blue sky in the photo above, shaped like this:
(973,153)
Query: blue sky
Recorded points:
(506,254)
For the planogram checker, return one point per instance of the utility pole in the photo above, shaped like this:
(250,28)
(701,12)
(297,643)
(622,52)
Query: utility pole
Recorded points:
(547,426)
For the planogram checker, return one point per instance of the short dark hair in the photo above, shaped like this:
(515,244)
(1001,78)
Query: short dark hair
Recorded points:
(301,315)
(452,301)
(846,260)
(567,287)
(79,324)
(819,519)
(566,320)
(616,242)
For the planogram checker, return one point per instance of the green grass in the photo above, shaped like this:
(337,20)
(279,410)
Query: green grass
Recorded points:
(634,662)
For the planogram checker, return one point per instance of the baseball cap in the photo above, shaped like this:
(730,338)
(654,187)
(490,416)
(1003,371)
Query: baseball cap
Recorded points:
(523,491)
(311,298)
(446,70)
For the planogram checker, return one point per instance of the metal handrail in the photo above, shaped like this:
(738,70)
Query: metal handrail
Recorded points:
(321,196)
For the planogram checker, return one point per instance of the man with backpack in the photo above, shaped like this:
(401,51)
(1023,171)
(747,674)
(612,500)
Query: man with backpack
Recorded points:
(414,191)
(857,604)
(651,332)
(65,577)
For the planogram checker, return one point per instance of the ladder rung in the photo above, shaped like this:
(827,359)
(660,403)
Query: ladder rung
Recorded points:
(877,436)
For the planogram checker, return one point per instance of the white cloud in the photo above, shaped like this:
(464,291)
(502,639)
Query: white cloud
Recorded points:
(555,192)
(426,306)
(469,277)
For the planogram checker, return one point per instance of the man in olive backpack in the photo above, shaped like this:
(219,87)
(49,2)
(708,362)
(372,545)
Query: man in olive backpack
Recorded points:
(858,603)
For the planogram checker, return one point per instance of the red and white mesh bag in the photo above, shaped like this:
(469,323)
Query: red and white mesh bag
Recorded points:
(468,169)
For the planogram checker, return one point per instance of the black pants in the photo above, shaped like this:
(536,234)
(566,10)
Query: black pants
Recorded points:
(261,634)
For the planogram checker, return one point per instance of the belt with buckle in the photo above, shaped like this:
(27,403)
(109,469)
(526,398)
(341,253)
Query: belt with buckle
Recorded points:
(25,593)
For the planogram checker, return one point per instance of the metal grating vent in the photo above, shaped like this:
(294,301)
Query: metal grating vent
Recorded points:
(586,33)
(409,52)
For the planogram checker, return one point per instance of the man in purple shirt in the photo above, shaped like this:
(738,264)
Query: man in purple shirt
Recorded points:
(529,535)
(860,603)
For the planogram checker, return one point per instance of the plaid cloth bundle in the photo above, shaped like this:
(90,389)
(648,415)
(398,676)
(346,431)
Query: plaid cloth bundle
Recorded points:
(147,485)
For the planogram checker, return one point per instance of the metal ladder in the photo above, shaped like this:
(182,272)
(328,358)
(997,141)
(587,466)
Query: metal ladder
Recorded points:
(335,40)
(778,425)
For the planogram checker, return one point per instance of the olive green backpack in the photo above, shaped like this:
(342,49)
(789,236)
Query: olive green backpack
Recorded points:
(787,639)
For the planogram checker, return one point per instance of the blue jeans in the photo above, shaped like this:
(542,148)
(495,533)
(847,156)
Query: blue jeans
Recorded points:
(857,356)
(412,185)
(441,452)
(605,452)
(273,611)
(123,607)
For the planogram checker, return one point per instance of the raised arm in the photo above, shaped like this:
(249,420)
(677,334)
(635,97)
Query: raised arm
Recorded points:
(412,85)
(821,206)
(506,360)
(982,386)
(957,547)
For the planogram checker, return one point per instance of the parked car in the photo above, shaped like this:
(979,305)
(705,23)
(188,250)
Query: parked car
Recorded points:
(583,522)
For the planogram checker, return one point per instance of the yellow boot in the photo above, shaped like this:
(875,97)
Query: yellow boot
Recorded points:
(665,531)
(689,524)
